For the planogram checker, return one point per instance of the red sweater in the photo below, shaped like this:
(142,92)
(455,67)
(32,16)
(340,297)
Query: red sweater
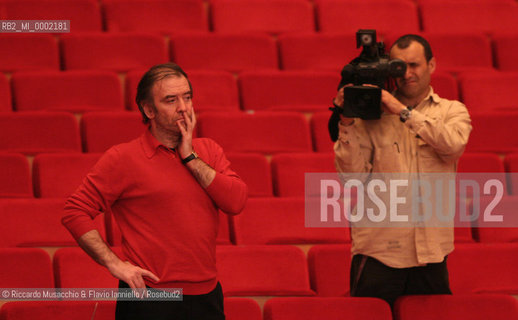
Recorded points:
(168,222)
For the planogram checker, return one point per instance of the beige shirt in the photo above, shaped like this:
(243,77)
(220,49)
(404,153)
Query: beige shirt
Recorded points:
(431,141)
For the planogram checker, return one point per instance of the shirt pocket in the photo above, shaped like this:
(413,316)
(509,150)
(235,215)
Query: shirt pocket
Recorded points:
(387,158)
(424,150)
(429,160)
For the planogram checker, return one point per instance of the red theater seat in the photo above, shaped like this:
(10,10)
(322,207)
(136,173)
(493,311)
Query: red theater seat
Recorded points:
(288,171)
(130,87)
(267,90)
(84,15)
(329,267)
(254,169)
(445,85)
(36,223)
(58,310)
(118,52)
(484,91)
(16,176)
(58,175)
(464,1)
(32,132)
(505,231)
(480,162)
(482,167)
(230,52)
(473,307)
(5,95)
(493,132)
(511,166)
(463,234)
(262,16)
(75,91)
(263,271)
(25,268)
(28,52)
(317,51)
(155,16)
(350,15)
(484,268)
(73,268)
(469,16)
(102,130)
(505,46)
(213,90)
(463,229)
(242,308)
(326,308)
(263,132)
(254,225)
(320,133)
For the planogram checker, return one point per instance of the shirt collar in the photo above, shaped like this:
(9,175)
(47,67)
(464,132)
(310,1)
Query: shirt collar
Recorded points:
(433,97)
(150,143)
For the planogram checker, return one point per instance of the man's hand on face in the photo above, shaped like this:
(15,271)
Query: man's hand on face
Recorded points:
(186,128)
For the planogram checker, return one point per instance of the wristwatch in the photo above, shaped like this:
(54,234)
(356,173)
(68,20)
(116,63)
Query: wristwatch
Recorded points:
(405,114)
(190,157)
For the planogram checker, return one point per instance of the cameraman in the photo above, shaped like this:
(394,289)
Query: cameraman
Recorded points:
(418,132)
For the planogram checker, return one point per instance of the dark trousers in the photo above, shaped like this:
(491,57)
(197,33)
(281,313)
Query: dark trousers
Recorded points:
(205,306)
(371,278)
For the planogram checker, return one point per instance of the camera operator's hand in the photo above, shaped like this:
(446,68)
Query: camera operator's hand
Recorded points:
(391,104)
(339,101)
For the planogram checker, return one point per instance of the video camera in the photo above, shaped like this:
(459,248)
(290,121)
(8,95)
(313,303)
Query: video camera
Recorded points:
(373,66)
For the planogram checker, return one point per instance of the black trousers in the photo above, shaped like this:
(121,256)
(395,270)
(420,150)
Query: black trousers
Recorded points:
(205,306)
(371,278)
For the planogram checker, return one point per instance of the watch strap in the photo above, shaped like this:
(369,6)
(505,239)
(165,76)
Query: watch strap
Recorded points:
(404,115)
(190,157)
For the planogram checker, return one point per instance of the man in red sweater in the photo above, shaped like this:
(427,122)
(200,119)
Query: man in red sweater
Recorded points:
(164,190)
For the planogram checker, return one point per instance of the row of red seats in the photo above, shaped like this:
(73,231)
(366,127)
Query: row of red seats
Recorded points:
(275,270)
(305,91)
(122,52)
(262,132)
(265,16)
(473,307)
(37,222)
(56,175)
(80,91)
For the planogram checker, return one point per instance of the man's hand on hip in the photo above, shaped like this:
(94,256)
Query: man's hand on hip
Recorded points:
(132,275)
